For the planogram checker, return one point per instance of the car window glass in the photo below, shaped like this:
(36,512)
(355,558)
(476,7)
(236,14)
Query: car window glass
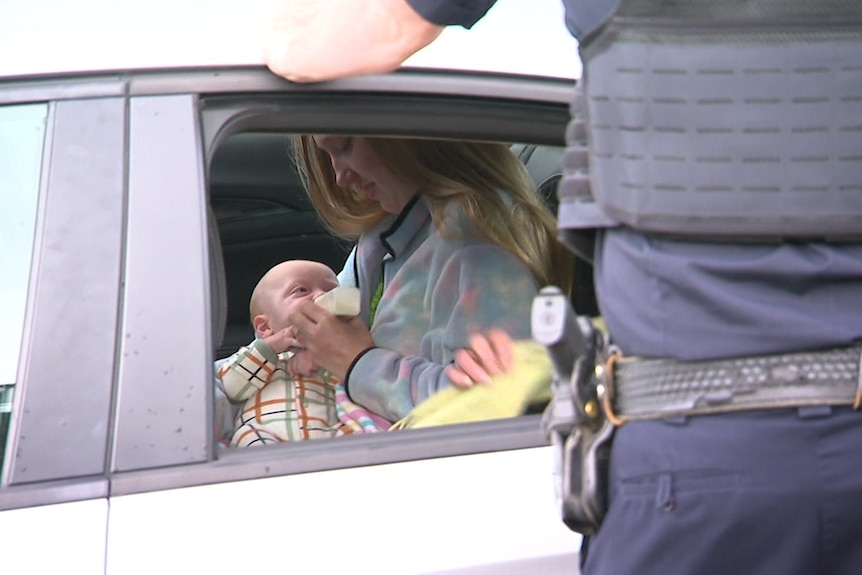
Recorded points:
(22,130)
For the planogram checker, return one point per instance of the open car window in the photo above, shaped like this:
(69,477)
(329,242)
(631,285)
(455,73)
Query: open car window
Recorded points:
(263,217)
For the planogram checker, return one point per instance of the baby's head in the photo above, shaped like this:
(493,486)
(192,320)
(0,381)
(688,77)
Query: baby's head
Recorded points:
(281,288)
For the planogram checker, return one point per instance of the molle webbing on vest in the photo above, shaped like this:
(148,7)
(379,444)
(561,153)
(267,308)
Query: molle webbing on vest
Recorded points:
(709,119)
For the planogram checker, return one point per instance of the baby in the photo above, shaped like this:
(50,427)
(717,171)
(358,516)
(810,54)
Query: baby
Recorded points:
(278,403)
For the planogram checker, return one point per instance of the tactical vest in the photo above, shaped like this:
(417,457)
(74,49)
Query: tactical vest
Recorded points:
(716,119)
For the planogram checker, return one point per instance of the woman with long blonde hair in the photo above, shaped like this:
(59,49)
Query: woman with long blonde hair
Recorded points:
(452,239)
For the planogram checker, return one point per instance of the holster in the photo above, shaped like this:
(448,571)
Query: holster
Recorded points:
(575,422)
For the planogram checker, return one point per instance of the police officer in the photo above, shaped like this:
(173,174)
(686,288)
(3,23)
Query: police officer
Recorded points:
(719,146)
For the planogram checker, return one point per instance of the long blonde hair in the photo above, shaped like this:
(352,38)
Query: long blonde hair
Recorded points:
(471,174)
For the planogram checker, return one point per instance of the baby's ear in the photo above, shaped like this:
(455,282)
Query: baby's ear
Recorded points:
(261,326)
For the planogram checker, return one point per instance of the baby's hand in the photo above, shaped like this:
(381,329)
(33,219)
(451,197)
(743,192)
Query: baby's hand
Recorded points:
(301,364)
(282,340)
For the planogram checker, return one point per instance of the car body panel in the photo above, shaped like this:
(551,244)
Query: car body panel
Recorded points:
(385,519)
(61,538)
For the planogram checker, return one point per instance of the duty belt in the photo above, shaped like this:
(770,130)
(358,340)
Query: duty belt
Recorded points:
(637,389)
(596,389)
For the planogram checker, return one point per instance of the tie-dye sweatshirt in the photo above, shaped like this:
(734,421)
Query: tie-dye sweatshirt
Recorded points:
(436,292)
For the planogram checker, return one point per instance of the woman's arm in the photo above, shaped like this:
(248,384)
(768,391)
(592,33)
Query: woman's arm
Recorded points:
(477,288)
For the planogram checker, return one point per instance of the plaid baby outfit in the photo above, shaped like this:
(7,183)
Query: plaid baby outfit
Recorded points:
(277,407)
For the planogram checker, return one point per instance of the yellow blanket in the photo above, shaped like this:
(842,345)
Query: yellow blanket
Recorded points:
(507,395)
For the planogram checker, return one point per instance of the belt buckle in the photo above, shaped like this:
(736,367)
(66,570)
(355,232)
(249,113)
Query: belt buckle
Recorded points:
(605,387)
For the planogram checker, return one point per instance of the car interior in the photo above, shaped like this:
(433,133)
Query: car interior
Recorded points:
(263,217)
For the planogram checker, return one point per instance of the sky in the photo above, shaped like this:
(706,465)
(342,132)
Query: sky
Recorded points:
(68,35)
(527,35)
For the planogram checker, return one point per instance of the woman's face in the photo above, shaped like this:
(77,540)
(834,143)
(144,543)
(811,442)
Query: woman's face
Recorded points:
(356,164)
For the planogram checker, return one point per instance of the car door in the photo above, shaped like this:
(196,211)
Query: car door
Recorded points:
(450,499)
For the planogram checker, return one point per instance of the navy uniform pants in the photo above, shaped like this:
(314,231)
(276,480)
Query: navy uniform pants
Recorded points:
(763,492)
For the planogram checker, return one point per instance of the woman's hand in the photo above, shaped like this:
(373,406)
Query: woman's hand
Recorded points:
(487,356)
(333,342)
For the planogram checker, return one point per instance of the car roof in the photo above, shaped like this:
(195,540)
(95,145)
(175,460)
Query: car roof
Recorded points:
(57,36)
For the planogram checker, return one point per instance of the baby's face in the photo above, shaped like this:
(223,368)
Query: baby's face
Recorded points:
(293,283)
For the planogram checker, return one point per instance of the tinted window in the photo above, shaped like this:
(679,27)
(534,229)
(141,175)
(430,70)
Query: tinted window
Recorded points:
(22,130)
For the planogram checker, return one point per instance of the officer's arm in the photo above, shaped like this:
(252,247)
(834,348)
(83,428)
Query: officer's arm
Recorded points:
(316,40)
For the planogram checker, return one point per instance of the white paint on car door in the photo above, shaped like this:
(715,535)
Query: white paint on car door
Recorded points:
(415,517)
(63,538)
